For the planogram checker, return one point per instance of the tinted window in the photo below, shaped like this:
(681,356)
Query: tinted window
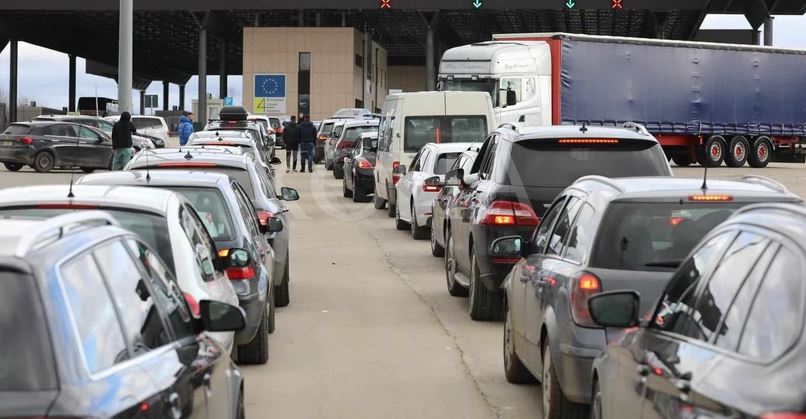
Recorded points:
(560,233)
(542,235)
(674,312)
(776,317)
(582,234)
(26,361)
(336,133)
(352,134)
(142,325)
(654,236)
(146,123)
(94,314)
(103,125)
(17,129)
(545,163)
(63,130)
(327,127)
(203,248)
(212,209)
(444,161)
(87,133)
(421,130)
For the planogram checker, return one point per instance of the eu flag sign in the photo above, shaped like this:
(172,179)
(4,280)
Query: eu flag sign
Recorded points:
(270,85)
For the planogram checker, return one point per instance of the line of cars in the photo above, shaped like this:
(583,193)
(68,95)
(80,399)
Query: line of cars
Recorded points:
(627,293)
(141,289)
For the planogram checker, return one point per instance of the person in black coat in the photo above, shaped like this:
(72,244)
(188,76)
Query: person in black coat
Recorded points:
(122,141)
(307,142)
(291,139)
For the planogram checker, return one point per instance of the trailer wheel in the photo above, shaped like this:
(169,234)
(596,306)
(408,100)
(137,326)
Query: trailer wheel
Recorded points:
(713,152)
(682,160)
(761,153)
(737,152)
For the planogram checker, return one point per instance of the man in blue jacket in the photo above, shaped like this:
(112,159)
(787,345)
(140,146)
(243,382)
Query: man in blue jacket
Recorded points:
(185,128)
(307,142)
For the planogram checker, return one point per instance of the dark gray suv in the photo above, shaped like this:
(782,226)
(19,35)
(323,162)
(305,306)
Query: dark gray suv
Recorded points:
(602,234)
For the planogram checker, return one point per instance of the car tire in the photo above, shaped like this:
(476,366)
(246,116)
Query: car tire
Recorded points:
(738,149)
(596,401)
(281,292)
(378,202)
(436,249)
(272,325)
(514,369)
(683,160)
(344,191)
(555,405)
(484,304)
(761,153)
(257,351)
(240,410)
(358,194)
(44,161)
(417,232)
(338,172)
(87,169)
(454,288)
(400,224)
(13,167)
(389,207)
(712,153)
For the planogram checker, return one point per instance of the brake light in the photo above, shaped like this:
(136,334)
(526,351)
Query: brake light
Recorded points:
(363,163)
(438,135)
(185,164)
(783,415)
(322,137)
(675,221)
(710,198)
(583,287)
(26,140)
(240,274)
(67,206)
(263,217)
(588,141)
(510,213)
(193,305)
(395,175)
(429,188)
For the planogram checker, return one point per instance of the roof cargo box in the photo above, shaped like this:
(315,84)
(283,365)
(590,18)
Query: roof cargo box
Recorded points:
(233,113)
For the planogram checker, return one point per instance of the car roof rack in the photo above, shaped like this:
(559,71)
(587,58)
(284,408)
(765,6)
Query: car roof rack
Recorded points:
(55,228)
(509,125)
(635,127)
(603,180)
(765,181)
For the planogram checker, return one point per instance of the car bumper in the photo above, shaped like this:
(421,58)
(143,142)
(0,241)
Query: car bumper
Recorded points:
(253,302)
(578,348)
(492,272)
(18,155)
(422,206)
(365,181)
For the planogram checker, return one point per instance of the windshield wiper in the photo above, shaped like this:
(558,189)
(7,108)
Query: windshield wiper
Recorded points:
(665,264)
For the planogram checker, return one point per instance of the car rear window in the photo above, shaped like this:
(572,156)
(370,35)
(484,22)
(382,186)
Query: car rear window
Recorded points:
(444,162)
(654,236)
(26,361)
(212,209)
(421,130)
(275,122)
(147,123)
(550,164)
(17,129)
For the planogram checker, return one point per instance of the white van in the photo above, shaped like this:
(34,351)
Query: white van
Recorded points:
(411,120)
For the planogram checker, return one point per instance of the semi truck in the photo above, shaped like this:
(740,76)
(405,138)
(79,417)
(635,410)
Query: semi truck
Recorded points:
(704,102)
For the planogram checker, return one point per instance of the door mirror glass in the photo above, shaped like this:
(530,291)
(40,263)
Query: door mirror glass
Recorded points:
(275,225)
(434,181)
(615,308)
(454,177)
(289,194)
(400,170)
(237,258)
(507,247)
(275,160)
(221,317)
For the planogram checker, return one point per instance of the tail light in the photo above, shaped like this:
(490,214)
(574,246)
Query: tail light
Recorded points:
(589,141)
(431,188)
(263,217)
(193,305)
(26,140)
(363,163)
(710,198)
(67,206)
(395,174)
(322,137)
(510,213)
(240,274)
(583,286)
(438,136)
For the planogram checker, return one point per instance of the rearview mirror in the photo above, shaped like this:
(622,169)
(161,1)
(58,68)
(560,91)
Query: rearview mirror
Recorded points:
(221,317)
(434,181)
(275,160)
(400,170)
(509,247)
(237,258)
(454,177)
(275,225)
(615,308)
(289,194)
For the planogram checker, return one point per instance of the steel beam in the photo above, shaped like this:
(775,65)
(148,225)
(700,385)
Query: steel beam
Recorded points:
(71,84)
(142,102)
(430,70)
(768,31)
(181,106)
(202,116)
(166,90)
(125,55)
(222,70)
(12,81)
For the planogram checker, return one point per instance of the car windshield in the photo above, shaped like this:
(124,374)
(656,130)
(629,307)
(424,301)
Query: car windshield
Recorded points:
(26,362)
(421,130)
(548,164)
(646,236)
(151,227)
(212,208)
(444,162)
(327,127)
(486,85)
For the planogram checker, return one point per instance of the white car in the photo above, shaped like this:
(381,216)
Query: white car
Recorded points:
(421,183)
(154,126)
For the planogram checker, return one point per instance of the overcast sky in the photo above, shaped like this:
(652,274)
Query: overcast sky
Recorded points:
(43,73)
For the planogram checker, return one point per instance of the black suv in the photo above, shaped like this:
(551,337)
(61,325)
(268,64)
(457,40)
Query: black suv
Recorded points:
(106,126)
(726,337)
(516,176)
(46,145)
(94,325)
(599,235)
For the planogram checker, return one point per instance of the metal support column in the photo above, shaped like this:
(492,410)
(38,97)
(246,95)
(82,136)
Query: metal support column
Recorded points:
(181,106)
(222,70)
(12,81)
(430,71)
(125,47)
(202,111)
(142,102)
(756,37)
(71,85)
(166,90)
(768,31)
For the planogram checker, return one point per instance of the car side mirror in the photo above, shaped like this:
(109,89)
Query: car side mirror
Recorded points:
(275,225)
(275,160)
(221,317)
(615,308)
(236,258)
(454,177)
(434,182)
(510,247)
(289,194)
(400,170)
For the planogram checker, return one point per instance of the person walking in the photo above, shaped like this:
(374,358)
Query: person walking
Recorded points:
(185,128)
(307,142)
(291,139)
(122,141)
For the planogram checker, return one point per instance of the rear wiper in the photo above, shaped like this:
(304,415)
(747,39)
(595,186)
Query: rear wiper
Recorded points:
(665,264)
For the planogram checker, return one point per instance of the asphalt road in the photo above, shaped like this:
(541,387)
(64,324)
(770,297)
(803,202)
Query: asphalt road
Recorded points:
(371,331)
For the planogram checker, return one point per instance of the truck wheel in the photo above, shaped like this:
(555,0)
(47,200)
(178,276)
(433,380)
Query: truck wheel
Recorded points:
(713,152)
(761,152)
(737,152)
(682,160)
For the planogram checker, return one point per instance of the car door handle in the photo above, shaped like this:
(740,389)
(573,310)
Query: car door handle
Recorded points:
(208,387)
(175,403)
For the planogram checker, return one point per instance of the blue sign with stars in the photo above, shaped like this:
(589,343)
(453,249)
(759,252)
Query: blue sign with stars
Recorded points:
(270,85)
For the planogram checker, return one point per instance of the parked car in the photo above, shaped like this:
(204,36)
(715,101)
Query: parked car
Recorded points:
(349,135)
(278,123)
(268,126)
(151,126)
(323,135)
(49,145)
(167,221)
(236,118)
(725,339)
(330,144)
(239,139)
(420,184)
(517,174)
(411,120)
(259,187)
(358,180)
(99,327)
(353,113)
(600,235)
(445,198)
(143,139)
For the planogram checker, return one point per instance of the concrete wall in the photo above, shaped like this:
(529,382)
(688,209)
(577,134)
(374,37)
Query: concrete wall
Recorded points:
(406,78)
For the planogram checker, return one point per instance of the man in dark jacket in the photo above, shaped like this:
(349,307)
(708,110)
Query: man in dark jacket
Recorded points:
(307,142)
(122,141)
(291,139)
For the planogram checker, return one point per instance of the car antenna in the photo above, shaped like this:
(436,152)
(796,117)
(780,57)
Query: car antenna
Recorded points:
(704,186)
(73,171)
(584,127)
(188,156)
